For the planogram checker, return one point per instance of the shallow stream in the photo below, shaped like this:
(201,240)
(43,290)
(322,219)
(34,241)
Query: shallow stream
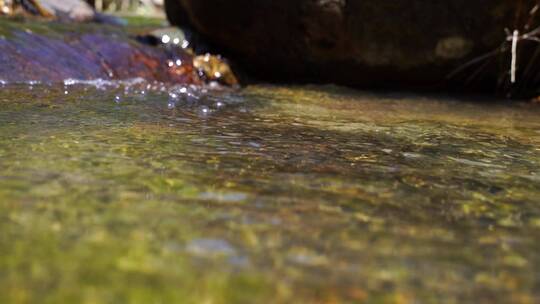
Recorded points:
(125,193)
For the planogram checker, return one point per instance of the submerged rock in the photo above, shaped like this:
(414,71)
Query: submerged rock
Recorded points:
(358,42)
(215,68)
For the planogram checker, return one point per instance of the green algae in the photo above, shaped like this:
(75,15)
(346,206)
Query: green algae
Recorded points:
(144,21)
(279,195)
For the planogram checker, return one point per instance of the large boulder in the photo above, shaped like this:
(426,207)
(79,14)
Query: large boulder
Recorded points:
(357,42)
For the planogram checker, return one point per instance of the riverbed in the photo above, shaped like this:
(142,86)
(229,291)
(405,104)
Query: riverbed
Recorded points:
(132,192)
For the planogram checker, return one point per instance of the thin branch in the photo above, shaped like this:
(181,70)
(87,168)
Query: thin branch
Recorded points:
(533,39)
(478,71)
(475,61)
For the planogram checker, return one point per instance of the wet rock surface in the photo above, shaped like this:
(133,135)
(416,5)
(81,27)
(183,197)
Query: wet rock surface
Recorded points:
(360,43)
(51,52)
(215,68)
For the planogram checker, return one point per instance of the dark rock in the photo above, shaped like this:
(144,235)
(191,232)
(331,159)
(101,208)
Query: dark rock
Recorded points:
(357,42)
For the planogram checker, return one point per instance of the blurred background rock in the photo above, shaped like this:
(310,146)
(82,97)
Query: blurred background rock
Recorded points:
(148,8)
(129,7)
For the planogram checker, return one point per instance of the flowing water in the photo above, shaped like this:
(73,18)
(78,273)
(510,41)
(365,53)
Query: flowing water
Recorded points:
(122,193)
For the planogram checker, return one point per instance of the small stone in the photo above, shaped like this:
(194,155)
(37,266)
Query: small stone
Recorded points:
(214,68)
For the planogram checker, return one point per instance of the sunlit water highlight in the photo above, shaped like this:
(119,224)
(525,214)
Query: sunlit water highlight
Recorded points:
(142,193)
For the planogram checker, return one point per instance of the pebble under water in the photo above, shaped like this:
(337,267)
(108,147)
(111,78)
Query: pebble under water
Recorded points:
(137,193)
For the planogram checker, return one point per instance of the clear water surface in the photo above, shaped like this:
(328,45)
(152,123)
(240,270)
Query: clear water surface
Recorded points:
(270,194)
